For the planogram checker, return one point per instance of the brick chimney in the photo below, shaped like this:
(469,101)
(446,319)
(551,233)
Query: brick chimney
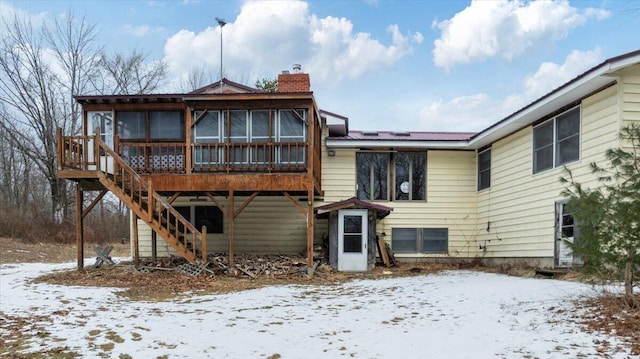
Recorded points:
(296,82)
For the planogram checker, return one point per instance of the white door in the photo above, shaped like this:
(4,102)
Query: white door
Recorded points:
(102,121)
(352,240)
(565,233)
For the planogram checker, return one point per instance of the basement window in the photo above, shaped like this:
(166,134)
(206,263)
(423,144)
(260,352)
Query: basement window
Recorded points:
(420,240)
(198,216)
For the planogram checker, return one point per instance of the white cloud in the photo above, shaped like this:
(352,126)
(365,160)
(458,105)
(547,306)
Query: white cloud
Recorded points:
(8,12)
(141,30)
(550,75)
(478,111)
(505,28)
(268,37)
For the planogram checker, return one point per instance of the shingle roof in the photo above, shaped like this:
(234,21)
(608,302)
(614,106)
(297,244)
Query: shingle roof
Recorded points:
(350,203)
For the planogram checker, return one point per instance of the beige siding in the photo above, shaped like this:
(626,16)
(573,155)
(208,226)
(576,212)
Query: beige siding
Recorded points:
(451,203)
(450,196)
(519,208)
(631,97)
(267,225)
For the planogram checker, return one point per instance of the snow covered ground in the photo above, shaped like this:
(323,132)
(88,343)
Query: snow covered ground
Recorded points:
(454,314)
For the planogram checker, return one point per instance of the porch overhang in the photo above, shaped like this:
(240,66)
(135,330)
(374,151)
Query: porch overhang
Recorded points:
(353,203)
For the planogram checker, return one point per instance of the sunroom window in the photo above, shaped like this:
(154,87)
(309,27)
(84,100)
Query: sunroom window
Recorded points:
(292,129)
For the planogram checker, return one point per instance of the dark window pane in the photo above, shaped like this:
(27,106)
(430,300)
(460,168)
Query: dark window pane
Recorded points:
(484,169)
(185,211)
(209,216)
(435,240)
(380,176)
(132,125)
(543,135)
(352,224)
(418,176)
(543,159)
(363,176)
(568,124)
(568,150)
(352,243)
(166,125)
(403,186)
(404,240)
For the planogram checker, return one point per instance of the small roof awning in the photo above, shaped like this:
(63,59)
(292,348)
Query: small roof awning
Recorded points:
(353,203)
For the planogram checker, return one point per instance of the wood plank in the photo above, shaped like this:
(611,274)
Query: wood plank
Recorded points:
(310,225)
(296,204)
(93,203)
(214,200)
(245,204)
(79,227)
(230,220)
(221,182)
(382,248)
(136,244)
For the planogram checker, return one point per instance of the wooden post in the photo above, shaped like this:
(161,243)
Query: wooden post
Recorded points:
(150,203)
(154,246)
(79,227)
(230,211)
(204,243)
(136,246)
(188,163)
(310,225)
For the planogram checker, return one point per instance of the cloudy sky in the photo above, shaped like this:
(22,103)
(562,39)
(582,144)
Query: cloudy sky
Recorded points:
(386,64)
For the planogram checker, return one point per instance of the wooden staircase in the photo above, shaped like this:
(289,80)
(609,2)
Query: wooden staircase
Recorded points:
(126,184)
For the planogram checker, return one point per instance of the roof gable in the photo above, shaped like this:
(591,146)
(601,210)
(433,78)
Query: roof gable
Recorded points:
(227,87)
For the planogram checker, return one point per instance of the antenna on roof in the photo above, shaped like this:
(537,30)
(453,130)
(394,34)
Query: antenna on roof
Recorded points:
(221,23)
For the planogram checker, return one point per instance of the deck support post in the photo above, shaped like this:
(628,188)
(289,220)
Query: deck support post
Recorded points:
(154,246)
(79,226)
(230,217)
(136,246)
(310,226)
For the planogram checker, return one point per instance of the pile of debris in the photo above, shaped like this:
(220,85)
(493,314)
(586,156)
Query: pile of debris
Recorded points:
(245,265)
(253,266)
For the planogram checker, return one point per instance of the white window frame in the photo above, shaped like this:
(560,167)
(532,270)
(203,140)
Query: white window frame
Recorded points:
(554,125)
(481,171)
(280,137)
(208,139)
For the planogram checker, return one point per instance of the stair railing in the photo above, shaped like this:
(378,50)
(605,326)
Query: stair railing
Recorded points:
(179,232)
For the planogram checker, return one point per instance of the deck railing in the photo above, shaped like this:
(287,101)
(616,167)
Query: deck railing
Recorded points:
(80,152)
(158,157)
(249,156)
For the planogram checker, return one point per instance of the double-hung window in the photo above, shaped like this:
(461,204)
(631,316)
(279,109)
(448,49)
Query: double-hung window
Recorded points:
(291,133)
(207,135)
(260,136)
(557,141)
(484,169)
(238,134)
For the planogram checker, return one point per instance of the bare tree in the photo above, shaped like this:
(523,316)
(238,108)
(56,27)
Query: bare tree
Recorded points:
(197,77)
(132,74)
